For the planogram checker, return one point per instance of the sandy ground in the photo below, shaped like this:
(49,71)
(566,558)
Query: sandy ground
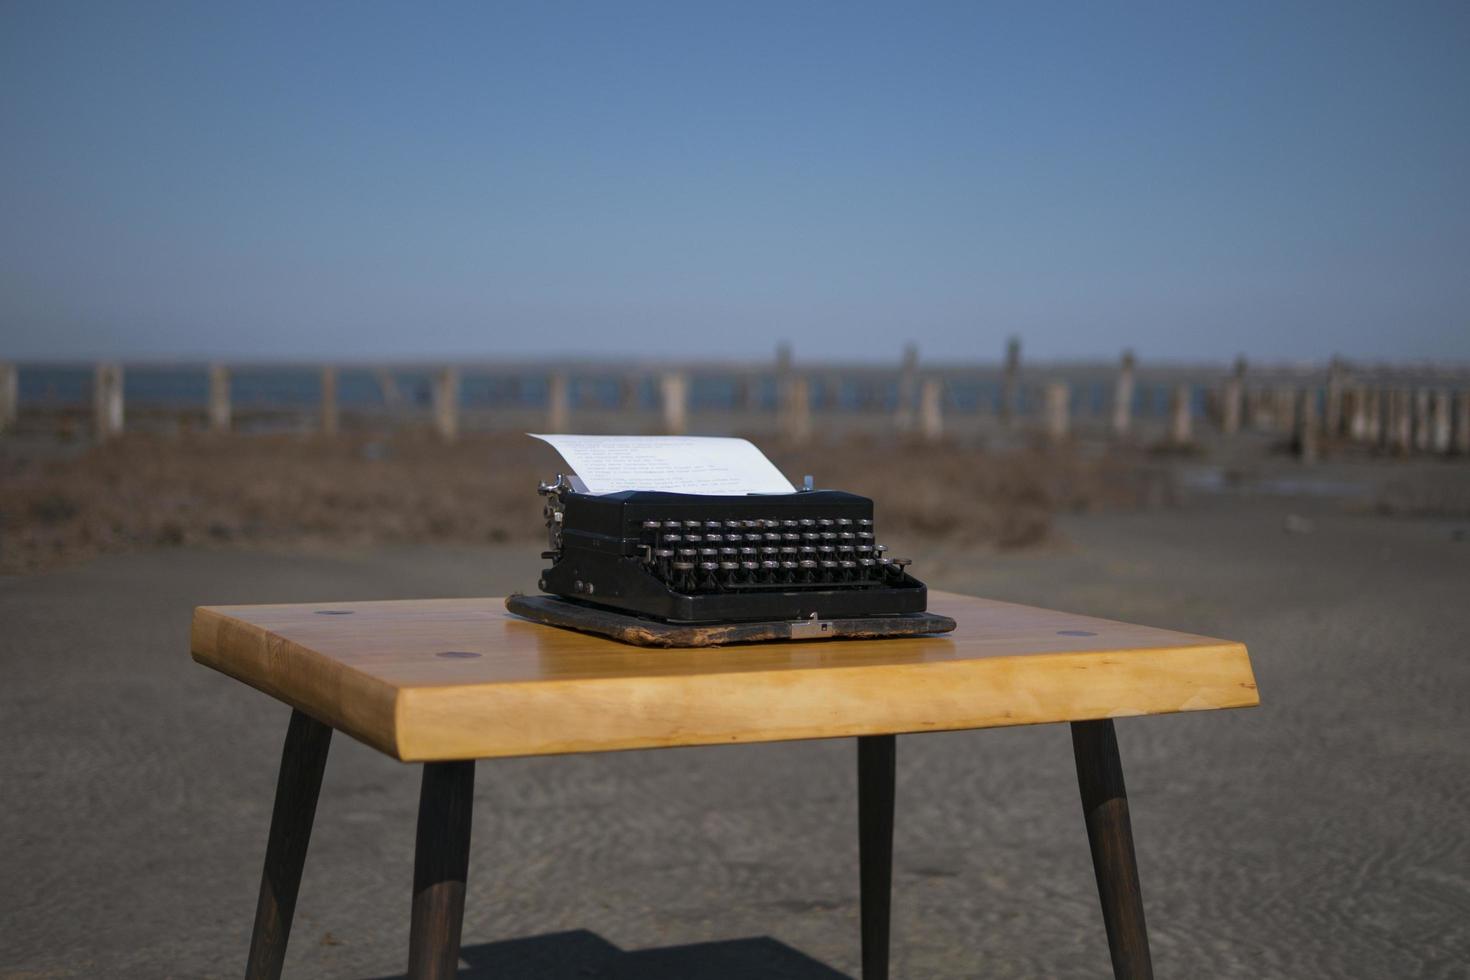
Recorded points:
(1321,835)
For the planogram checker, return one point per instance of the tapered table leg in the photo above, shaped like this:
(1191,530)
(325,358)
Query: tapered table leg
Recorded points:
(1110,834)
(440,865)
(876,761)
(303,759)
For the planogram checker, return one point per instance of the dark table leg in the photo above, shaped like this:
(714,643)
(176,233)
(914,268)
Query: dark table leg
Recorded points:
(303,759)
(440,865)
(876,761)
(1110,833)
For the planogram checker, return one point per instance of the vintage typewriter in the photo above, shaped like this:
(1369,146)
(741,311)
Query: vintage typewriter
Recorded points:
(695,559)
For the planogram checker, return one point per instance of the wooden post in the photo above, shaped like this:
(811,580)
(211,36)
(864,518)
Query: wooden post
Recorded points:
(1333,415)
(559,410)
(219,398)
(1373,415)
(1443,428)
(674,387)
(1181,417)
(1057,409)
(1010,385)
(1232,400)
(796,415)
(107,400)
(1123,396)
(9,396)
(1422,420)
(629,388)
(908,379)
(329,401)
(1462,423)
(931,420)
(1358,426)
(1401,422)
(446,404)
(1307,438)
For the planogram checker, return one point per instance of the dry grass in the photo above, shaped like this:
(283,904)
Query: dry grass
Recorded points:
(264,491)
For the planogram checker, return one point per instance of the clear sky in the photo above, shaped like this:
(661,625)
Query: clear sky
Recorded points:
(684,180)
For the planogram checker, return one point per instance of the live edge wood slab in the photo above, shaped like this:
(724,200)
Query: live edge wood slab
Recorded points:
(452,679)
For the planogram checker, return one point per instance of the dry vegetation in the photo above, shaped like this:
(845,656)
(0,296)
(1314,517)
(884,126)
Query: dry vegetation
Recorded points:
(145,491)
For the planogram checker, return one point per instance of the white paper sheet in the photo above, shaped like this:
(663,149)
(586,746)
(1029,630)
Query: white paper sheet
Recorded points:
(680,464)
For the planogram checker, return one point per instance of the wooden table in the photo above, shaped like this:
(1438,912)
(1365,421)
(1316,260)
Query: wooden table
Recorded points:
(447,681)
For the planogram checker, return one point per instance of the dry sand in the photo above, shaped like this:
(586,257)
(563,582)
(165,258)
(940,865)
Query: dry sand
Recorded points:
(1320,835)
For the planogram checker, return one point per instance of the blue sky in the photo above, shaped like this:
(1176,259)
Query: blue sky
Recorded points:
(675,180)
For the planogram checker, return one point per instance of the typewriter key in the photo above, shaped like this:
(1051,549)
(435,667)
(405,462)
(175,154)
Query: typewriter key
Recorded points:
(865,535)
(843,522)
(729,566)
(693,525)
(755,538)
(829,535)
(709,552)
(694,538)
(683,566)
(709,566)
(770,566)
(733,525)
(811,536)
(663,552)
(791,537)
(863,548)
(714,538)
(673,538)
(824,522)
(672,525)
(651,525)
(829,564)
(750,566)
(879,548)
(807,564)
(772,538)
(712,525)
(847,564)
(901,562)
(864,522)
(826,549)
(807,522)
(788,565)
(789,549)
(752,525)
(846,536)
(748,551)
(790,525)
(866,562)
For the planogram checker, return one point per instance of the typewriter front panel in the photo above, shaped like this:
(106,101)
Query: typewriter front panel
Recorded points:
(690,558)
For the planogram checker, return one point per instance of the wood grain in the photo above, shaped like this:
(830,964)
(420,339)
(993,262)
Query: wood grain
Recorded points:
(440,679)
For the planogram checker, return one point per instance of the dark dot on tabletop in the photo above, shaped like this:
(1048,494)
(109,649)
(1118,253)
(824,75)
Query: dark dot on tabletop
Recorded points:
(457,655)
(1075,633)
(334,612)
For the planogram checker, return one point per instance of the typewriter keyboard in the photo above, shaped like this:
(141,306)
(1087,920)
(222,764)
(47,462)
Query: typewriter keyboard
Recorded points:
(717,556)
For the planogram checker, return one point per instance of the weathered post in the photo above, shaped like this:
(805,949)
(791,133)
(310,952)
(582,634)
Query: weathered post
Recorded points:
(1181,416)
(908,378)
(1232,399)
(931,420)
(1057,410)
(219,398)
(1462,422)
(1374,430)
(796,409)
(1123,396)
(1333,414)
(1422,421)
(1440,437)
(1010,385)
(1358,418)
(1307,439)
(1401,421)
(674,388)
(9,396)
(107,400)
(329,401)
(446,404)
(629,386)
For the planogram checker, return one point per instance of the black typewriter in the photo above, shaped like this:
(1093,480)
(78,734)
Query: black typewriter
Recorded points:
(691,558)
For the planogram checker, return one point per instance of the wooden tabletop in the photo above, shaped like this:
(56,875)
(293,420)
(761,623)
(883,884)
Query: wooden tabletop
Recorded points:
(435,679)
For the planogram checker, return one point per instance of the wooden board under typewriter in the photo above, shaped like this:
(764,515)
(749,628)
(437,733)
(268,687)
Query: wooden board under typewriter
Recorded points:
(553,611)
